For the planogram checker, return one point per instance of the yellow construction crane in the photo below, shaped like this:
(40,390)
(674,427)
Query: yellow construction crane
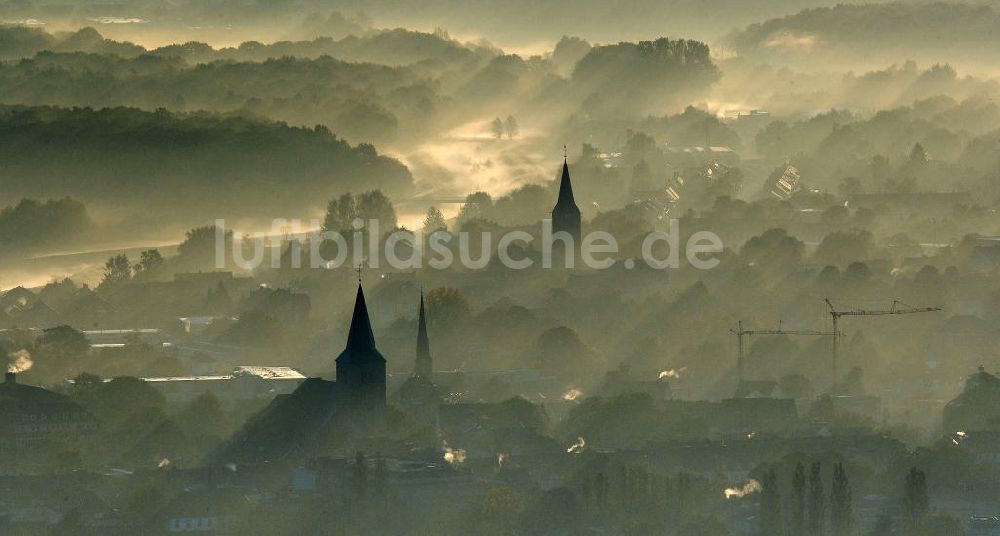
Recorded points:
(741,333)
(897,308)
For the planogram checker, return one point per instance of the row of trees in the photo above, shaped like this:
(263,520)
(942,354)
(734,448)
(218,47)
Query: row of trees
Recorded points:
(809,515)
(508,127)
(371,205)
(195,253)
(524,205)
(119,269)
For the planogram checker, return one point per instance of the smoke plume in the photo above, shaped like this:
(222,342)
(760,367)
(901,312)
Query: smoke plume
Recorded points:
(20,361)
(752,486)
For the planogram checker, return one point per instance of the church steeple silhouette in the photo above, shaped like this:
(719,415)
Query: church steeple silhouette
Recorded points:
(424,364)
(566,215)
(361,367)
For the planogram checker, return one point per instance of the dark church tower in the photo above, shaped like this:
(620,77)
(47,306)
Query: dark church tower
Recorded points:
(424,365)
(566,215)
(360,367)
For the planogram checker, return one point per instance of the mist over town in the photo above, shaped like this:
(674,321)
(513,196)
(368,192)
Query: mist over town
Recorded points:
(674,268)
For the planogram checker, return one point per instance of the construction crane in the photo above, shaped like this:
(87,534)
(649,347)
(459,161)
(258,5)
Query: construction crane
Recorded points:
(741,333)
(897,308)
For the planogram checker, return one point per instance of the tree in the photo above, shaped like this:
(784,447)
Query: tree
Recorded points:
(255,327)
(639,144)
(59,350)
(203,419)
(370,205)
(198,250)
(446,306)
(703,526)
(116,270)
(799,500)
(340,213)
(200,242)
(836,215)
(774,140)
(497,509)
(568,51)
(434,221)
(31,222)
(916,502)
(841,517)
(918,157)
(553,511)
(116,400)
(770,505)
(361,476)
(497,128)
(524,205)
(773,249)
(380,479)
(882,526)
(642,176)
(510,125)
(560,352)
(478,206)
(880,168)
(816,510)
(841,247)
(149,261)
(375,205)
(632,76)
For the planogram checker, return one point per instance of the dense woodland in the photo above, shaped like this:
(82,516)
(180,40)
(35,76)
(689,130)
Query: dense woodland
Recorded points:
(939,31)
(213,164)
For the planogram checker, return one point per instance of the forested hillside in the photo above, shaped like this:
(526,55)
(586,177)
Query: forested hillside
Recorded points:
(197,166)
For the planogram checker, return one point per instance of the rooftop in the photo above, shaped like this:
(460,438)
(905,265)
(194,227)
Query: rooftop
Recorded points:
(242,371)
(268,372)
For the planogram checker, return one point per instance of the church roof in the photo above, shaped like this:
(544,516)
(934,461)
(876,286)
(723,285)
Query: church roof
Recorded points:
(565,200)
(360,339)
(24,397)
(418,390)
(290,422)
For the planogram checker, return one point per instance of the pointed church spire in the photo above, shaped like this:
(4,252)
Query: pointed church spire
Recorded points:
(565,200)
(360,339)
(566,215)
(424,364)
(361,327)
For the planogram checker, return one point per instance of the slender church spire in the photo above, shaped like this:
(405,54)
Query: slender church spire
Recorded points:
(424,364)
(566,215)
